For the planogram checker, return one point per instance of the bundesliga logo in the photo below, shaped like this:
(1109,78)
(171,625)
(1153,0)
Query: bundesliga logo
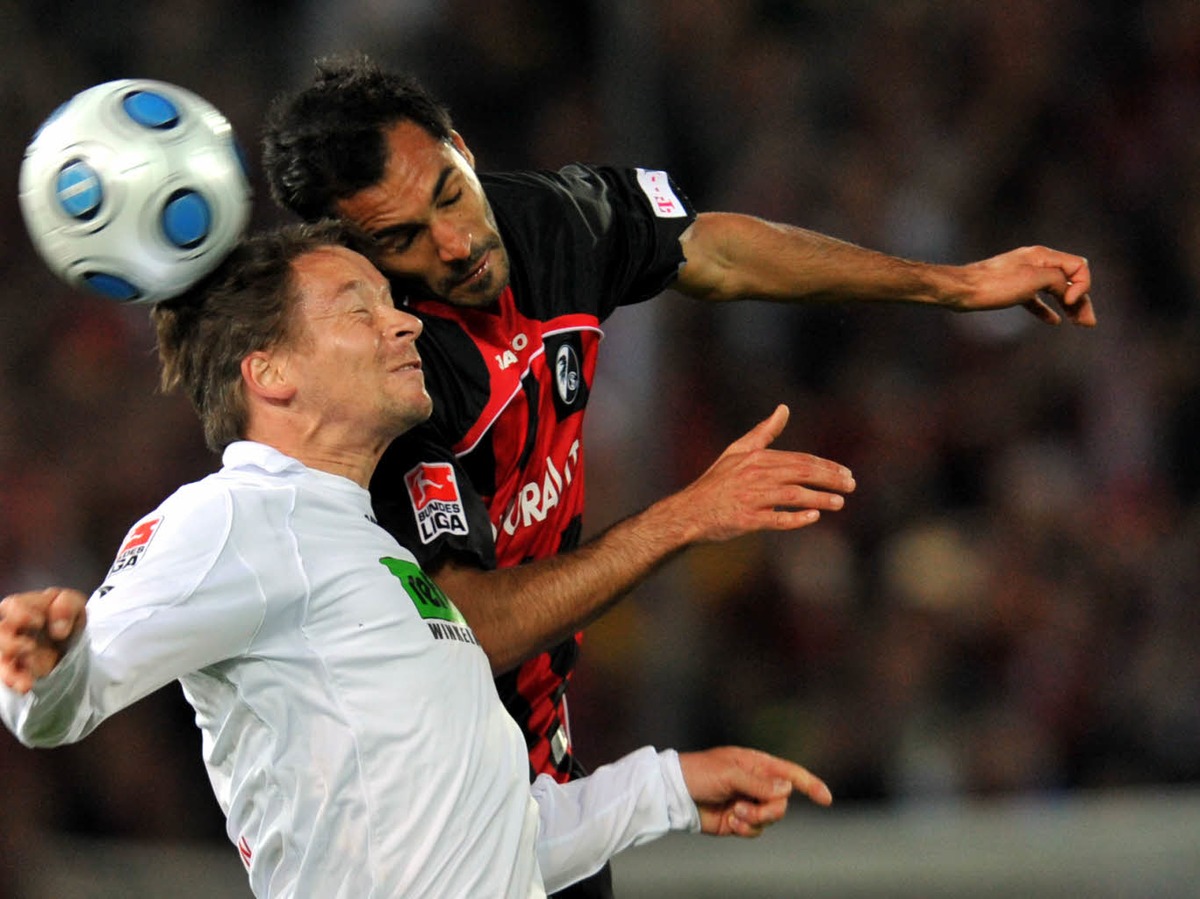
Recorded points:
(135,545)
(436,502)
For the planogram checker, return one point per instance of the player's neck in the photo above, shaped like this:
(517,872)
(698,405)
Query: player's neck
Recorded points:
(319,449)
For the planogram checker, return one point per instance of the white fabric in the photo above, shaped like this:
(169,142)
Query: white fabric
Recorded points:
(585,822)
(357,749)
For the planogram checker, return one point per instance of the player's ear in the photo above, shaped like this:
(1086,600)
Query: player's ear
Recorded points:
(265,374)
(461,146)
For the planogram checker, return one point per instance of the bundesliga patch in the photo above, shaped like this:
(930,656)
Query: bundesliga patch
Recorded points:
(436,502)
(657,188)
(135,545)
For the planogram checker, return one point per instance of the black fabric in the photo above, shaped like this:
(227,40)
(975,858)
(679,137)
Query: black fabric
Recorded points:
(510,386)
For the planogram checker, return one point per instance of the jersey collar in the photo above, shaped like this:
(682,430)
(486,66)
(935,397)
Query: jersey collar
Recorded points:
(248,454)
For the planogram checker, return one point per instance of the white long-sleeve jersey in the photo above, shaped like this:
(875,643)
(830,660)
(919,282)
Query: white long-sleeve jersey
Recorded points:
(351,729)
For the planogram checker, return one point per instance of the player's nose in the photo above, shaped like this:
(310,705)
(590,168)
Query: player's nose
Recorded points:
(452,241)
(401,324)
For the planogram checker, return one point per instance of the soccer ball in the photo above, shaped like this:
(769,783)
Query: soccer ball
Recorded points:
(134,190)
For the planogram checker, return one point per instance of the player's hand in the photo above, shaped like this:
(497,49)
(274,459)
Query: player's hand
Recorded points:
(753,488)
(35,631)
(1028,277)
(741,791)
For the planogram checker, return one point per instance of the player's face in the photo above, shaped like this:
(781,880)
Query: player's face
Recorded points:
(354,359)
(435,229)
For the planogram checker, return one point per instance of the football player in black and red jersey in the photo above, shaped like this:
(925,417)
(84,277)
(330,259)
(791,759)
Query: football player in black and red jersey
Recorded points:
(513,275)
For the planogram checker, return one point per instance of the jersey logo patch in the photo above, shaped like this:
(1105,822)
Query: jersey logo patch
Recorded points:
(134,547)
(567,376)
(436,502)
(444,620)
(535,500)
(657,189)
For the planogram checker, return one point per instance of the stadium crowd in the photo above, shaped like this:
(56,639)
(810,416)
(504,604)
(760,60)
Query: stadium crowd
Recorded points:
(1007,603)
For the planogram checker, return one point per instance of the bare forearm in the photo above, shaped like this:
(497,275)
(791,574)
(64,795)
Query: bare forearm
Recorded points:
(518,612)
(734,257)
(738,257)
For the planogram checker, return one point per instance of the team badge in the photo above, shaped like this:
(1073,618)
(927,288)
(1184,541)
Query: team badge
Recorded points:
(566,374)
(135,545)
(437,504)
(657,188)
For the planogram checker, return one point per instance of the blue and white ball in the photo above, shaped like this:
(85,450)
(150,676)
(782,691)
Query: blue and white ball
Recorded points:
(134,190)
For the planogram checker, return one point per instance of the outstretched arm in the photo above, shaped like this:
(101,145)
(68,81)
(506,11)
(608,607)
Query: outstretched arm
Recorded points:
(734,257)
(728,791)
(517,612)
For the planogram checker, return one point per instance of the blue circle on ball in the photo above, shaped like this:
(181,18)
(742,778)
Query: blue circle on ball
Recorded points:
(111,286)
(150,109)
(186,219)
(79,190)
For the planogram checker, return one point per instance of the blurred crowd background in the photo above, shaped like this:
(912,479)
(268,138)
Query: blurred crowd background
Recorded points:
(1007,604)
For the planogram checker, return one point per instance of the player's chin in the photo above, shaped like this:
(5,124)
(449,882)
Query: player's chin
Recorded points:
(484,289)
(408,411)
(478,295)
(422,406)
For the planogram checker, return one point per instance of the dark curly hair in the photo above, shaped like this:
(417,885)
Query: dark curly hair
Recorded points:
(245,305)
(326,142)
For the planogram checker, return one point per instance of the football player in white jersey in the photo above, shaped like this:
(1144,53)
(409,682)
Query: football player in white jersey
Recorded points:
(351,728)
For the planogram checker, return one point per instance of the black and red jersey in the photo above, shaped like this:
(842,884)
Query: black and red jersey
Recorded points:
(497,474)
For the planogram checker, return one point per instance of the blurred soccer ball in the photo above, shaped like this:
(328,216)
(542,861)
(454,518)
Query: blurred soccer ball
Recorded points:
(134,190)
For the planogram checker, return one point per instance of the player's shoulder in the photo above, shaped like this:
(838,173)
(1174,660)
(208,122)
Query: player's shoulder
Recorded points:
(206,496)
(186,530)
(201,509)
(568,183)
(587,201)
(528,202)
(228,499)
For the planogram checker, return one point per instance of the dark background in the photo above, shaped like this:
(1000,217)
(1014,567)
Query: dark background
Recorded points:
(1006,606)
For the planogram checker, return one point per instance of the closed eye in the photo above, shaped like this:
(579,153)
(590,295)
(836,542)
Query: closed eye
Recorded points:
(396,239)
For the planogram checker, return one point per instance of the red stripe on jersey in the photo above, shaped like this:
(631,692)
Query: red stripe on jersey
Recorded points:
(508,341)
(536,683)
(536,444)
(533,505)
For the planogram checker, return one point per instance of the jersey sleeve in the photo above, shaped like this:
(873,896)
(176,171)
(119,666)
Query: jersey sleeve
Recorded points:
(166,608)
(423,497)
(588,239)
(632,801)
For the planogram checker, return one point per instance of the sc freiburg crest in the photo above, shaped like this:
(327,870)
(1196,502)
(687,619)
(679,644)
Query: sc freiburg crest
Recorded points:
(567,376)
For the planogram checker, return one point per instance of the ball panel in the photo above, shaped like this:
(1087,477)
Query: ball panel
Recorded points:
(79,191)
(112,287)
(186,219)
(150,109)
